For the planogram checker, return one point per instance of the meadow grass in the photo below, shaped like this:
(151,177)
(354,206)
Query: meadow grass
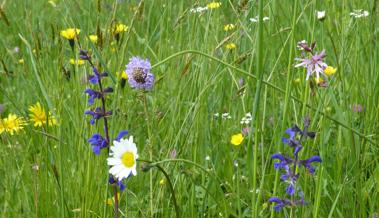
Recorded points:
(51,171)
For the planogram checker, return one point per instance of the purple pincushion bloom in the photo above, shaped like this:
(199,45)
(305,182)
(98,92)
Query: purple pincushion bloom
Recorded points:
(315,64)
(139,76)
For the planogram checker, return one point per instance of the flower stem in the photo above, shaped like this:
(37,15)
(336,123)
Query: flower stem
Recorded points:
(106,130)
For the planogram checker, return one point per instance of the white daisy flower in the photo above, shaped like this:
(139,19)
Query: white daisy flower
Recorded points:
(123,158)
(359,13)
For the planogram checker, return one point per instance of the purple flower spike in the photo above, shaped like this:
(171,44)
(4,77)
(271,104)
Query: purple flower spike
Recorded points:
(119,183)
(284,161)
(121,134)
(314,64)
(97,142)
(139,76)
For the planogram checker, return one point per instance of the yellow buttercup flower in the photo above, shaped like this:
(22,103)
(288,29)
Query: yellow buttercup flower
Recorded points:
(230,46)
(110,201)
(122,75)
(237,139)
(70,33)
(229,27)
(12,124)
(38,115)
(119,28)
(162,182)
(93,38)
(213,5)
(21,61)
(330,70)
(76,62)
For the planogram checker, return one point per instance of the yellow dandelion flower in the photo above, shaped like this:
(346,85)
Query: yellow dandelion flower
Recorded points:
(119,28)
(76,62)
(122,75)
(330,70)
(213,5)
(70,33)
(38,115)
(12,124)
(230,46)
(229,27)
(21,61)
(93,38)
(237,139)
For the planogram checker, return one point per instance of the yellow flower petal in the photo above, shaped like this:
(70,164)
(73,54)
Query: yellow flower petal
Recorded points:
(237,139)
(330,70)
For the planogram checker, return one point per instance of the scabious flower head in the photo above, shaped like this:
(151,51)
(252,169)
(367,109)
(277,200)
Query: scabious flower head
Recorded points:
(70,33)
(229,27)
(329,71)
(38,116)
(93,38)
(213,5)
(123,158)
(237,139)
(314,65)
(139,75)
(12,124)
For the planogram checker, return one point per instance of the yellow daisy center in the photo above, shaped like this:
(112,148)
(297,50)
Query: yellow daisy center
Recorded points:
(128,159)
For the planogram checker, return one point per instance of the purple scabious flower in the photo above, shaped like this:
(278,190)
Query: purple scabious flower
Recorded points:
(314,64)
(139,75)
(98,142)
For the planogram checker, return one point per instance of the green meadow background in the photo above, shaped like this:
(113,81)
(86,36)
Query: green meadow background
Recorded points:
(196,77)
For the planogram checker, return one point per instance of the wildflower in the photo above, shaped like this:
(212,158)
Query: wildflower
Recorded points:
(330,70)
(97,114)
(173,153)
(307,163)
(120,28)
(110,201)
(198,9)
(225,116)
(256,19)
(119,183)
(76,62)
(207,158)
(246,119)
(213,5)
(12,124)
(139,75)
(229,27)
(230,46)
(162,182)
(38,116)
(98,142)
(280,203)
(245,131)
(359,13)
(320,15)
(96,94)
(123,158)
(122,75)
(93,38)
(94,79)
(315,64)
(21,61)
(70,33)
(357,108)
(237,139)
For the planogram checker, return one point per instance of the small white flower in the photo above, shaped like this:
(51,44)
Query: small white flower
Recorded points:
(302,42)
(123,158)
(359,13)
(216,114)
(256,19)
(207,158)
(321,15)
(198,9)
(226,116)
